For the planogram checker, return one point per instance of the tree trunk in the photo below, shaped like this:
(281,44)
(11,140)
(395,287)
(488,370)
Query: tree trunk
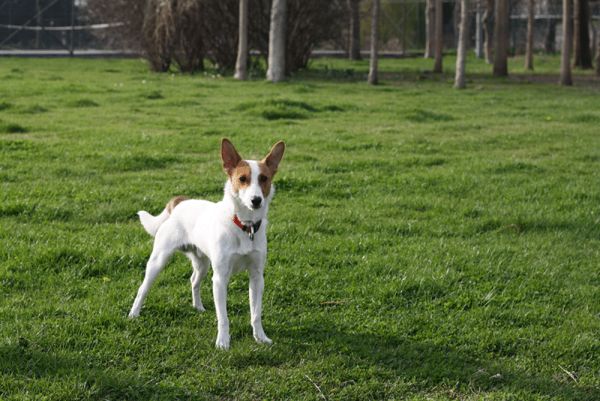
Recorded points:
(463,36)
(354,47)
(582,56)
(242,57)
(439,37)
(487,30)
(456,22)
(501,35)
(478,32)
(429,28)
(565,66)
(597,71)
(592,38)
(576,33)
(374,38)
(530,23)
(276,69)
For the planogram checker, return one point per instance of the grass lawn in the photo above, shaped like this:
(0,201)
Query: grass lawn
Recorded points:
(424,242)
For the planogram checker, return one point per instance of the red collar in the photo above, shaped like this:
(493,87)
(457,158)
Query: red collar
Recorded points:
(245,228)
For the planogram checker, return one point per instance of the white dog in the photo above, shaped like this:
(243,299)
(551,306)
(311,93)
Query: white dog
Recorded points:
(229,235)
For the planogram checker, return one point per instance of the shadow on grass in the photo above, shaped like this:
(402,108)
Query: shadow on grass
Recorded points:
(437,366)
(25,365)
(428,366)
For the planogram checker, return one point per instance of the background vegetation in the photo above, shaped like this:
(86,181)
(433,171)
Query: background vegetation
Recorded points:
(425,243)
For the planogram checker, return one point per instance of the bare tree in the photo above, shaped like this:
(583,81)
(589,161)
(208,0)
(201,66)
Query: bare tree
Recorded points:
(530,22)
(463,37)
(220,28)
(131,35)
(170,32)
(501,34)
(429,28)
(374,38)
(565,65)
(276,69)
(487,29)
(242,57)
(439,37)
(157,40)
(354,47)
(582,55)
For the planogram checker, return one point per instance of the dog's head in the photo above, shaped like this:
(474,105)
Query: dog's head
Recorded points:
(251,181)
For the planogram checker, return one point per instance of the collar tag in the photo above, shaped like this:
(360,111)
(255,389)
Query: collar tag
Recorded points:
(250,230)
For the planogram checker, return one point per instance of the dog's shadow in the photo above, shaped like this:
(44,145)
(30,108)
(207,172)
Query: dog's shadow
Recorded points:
(428,362)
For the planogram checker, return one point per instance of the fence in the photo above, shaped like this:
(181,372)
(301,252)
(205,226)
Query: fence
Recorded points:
(47,24)
(65,25)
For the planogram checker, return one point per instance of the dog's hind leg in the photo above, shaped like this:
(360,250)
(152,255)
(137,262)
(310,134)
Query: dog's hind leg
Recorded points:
(164,247)
(201,265)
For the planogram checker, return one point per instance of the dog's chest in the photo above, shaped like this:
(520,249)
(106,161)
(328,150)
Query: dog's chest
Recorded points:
(243,245)
(243,262)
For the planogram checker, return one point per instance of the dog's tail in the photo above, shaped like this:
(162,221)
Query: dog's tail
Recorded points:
(153,223)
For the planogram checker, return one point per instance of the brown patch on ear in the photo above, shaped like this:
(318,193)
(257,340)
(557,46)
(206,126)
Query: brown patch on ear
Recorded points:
(174,202)
(229,155)
(274,157)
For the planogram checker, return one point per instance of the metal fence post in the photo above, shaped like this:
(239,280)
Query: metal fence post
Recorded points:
(72,26)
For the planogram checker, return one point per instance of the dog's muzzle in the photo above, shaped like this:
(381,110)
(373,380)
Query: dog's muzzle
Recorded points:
(256,202)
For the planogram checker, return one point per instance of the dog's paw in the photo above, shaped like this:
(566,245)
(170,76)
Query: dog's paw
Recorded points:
(222,343)
(132,315)
(263,339)
(200,307)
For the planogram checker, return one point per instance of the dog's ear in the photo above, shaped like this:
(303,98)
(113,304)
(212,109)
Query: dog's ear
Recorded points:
(229,155)
(273,159)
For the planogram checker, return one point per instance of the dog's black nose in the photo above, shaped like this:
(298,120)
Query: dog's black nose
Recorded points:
(256,200)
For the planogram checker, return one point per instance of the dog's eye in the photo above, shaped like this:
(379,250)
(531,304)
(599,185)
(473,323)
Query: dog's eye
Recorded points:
(263,178)
(243,178)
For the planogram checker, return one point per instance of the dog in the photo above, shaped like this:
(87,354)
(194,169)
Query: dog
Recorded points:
(229,235)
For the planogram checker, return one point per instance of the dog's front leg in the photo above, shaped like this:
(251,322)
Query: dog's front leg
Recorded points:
(257,286)
(220,280)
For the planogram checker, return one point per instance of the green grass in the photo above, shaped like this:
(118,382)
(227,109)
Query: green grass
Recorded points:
(424,242)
